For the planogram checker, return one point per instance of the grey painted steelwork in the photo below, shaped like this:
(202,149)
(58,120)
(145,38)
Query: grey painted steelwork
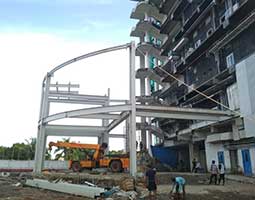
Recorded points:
(105,112)
(72,97)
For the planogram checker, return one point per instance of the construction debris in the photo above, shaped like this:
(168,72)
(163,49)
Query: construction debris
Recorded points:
(127,184)
(68,188)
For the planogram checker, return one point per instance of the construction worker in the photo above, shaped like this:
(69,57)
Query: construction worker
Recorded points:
(141,146)
(151,182)
(178,188)
(194,163)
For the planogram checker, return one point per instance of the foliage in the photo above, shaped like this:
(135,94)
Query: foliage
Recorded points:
(20,151)
(62,153)
(113,152)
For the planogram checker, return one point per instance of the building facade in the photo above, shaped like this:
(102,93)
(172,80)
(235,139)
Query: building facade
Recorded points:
(206,60)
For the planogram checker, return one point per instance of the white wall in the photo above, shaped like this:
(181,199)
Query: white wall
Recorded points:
(15,164)
(245,74)
(252,155)
(212,150)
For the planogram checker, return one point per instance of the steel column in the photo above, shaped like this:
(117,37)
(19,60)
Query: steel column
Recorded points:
(133,167)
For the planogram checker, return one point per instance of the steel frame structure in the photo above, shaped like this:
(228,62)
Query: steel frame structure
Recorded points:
(128,111)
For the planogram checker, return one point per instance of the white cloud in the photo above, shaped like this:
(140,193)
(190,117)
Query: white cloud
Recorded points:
(25,59)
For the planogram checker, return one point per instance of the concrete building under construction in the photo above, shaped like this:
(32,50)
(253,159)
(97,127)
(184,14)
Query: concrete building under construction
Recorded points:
(200,54)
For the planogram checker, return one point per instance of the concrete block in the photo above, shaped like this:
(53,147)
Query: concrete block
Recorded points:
(67,188)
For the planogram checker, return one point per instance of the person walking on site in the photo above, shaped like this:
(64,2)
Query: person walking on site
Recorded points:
(151,182)
(214,172)
(222,173)
(194,163)
(178,188)
(141,146)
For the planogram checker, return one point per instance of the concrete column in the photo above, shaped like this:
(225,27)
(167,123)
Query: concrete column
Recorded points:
(235,125)
(149,141)
(41,136)
(133,166)
(191,154)
(142,91)
(105,122)
(40,151)
(127,135)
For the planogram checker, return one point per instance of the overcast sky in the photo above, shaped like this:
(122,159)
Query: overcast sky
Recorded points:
(36,35)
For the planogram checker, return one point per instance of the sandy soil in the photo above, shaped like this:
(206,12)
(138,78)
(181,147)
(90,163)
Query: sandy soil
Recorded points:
(231,191)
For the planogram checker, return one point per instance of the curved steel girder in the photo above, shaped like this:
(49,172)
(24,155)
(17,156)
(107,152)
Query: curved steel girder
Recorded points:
(146,111)
(91,54)
(87,111)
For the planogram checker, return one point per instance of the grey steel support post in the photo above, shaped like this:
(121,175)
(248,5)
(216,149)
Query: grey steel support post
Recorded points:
(142,91)
(106,122)
(149,136)
(41,136)
(133,167)
(191,154)
(127,135)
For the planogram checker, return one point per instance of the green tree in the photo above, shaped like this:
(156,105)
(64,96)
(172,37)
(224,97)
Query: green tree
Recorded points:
(21,151)
(71,153)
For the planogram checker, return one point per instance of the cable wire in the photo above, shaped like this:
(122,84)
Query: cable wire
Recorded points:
(201,93)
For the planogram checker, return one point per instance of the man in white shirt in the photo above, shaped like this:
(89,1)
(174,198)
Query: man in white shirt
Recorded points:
(222,173)
(214,172)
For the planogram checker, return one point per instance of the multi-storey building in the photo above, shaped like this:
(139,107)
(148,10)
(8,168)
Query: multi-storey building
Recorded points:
(210,49)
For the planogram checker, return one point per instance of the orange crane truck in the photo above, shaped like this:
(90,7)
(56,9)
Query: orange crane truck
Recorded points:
(117,163)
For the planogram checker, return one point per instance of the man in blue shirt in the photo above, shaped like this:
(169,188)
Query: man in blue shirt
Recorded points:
(178,188)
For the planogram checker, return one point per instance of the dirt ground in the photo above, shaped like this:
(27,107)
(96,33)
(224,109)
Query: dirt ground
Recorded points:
(10,192)
(231,191)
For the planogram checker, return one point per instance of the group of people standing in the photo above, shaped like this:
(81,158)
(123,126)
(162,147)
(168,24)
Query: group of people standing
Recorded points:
(215,171)
(178,183)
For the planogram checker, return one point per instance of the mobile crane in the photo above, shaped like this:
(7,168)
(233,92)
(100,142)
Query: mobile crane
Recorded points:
(116,163)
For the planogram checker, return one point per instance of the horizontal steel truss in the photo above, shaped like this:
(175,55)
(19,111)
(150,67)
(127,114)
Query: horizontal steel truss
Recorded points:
(123,111)
(78,131)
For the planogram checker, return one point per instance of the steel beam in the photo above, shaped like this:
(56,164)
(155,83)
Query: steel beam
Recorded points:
(91,54)
(100,116)
(75,131)
(87,111)
(184,110)
(177,116)
(78,96)
(76,101)
(56,85)
(113,124)
(133,165)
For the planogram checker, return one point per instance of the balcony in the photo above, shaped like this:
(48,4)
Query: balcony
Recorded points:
(195,18)
(143,8)
(169,23)
(235,23)
(166,46)
(178,10)
(151,28)
(232,22)
(144,48)
(166,6)
(210,87)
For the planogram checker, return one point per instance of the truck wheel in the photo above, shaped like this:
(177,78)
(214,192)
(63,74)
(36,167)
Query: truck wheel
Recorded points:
(76,166)
(116,166)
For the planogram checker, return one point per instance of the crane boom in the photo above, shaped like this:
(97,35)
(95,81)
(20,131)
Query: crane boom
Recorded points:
(75,145)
